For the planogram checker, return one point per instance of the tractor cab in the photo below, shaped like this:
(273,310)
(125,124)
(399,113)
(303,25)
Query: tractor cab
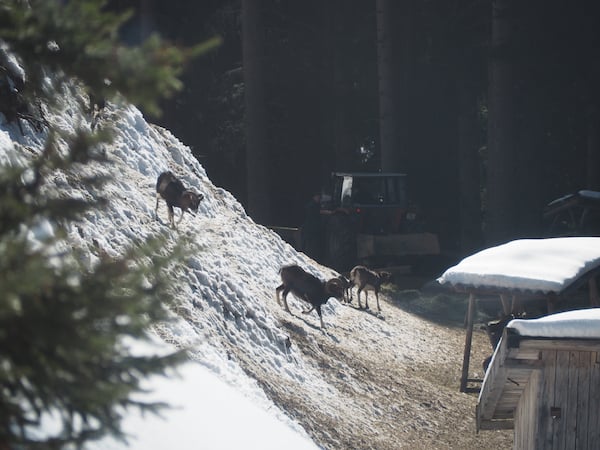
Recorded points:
(377,200)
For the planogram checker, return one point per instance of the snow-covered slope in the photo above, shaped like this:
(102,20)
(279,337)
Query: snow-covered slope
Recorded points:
(372,380)
(225,286)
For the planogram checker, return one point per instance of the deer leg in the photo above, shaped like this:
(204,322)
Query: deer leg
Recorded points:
(278,290)
(285,303)
(180,217)
(320,316)
(171,215)
(377,297)
(366,296)
(156,208)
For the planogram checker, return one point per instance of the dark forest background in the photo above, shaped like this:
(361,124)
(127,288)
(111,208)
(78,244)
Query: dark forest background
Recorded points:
(490,107)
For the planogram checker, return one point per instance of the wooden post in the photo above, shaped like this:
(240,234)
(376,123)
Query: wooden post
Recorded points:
(517,306)
(468,339)
(505,305)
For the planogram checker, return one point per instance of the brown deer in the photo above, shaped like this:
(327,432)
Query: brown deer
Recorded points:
(306,287)
(346,285)
(368,280)
(175,194)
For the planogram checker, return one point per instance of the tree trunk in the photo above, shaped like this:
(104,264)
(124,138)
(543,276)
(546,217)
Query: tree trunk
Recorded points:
(343,145)
(469,166)
(388,137)
(258,202)
(394,63)
(501,198)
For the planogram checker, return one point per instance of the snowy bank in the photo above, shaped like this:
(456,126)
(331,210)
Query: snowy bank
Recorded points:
(221,303)
(205,413)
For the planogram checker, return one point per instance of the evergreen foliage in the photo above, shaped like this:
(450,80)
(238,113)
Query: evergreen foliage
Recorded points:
(80,40)
(67,326)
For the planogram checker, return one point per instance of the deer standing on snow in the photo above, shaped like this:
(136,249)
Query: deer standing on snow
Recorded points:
(176,195)
(306,287)
(368,280)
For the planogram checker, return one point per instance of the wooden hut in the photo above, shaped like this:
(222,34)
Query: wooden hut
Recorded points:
(520,271)
(544,382)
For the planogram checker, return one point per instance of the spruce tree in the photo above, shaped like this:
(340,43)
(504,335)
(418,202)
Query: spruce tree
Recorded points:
(65,324)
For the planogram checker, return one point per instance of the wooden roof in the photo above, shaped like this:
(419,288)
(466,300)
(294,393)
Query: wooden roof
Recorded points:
(514,362)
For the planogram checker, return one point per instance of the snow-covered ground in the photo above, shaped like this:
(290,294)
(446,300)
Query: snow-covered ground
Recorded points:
(207,413)
(222,297)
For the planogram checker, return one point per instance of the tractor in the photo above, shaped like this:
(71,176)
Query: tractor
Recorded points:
(370,220)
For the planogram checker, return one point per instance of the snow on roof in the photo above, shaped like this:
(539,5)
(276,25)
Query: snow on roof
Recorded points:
(592,195)
(578,324)
(538,265)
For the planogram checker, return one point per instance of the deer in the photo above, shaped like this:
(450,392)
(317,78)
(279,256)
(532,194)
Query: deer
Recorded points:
(494,330)
(346,285)
(175,194)
(368,280)
(306,287)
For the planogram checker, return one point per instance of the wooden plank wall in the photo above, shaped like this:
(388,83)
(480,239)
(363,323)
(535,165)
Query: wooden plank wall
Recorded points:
(525,429)
(569,385)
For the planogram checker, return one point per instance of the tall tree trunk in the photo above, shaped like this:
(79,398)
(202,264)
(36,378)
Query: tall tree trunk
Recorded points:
(394,50)
(501,185)
(388,136)
(327,103)
(469,165)
(343,145)
(258,202)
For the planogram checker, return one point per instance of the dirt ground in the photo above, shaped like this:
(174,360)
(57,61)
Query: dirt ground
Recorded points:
(389,380)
